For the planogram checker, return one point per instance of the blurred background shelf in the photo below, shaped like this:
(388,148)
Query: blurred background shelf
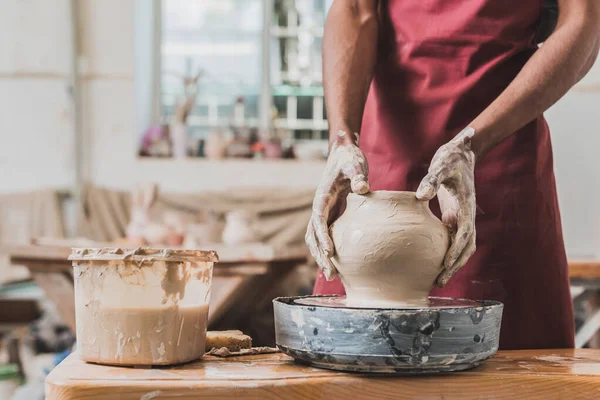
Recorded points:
(234,163)
(294,32)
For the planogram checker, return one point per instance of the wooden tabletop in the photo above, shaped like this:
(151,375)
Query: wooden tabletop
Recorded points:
(532,374)
(584,269)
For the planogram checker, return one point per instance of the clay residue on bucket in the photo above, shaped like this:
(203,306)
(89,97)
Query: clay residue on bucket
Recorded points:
(142,254)
(136,308)
(174,282)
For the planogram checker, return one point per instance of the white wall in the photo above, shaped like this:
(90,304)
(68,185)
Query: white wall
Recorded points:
(36,141)
(575,127)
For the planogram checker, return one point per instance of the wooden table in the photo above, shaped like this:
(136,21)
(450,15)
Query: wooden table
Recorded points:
(531,374)
(241,273)
(585,287)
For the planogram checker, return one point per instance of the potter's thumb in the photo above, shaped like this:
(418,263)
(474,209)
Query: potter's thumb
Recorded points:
(426,190)
(359,184)
(330,274)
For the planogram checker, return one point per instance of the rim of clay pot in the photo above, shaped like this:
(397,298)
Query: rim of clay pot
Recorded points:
(142,254)
(390,195)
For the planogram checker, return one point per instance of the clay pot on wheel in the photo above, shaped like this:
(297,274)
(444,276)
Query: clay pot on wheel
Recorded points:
(389,249)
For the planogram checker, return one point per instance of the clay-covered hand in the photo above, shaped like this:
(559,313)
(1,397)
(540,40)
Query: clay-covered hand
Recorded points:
(451,177)
(346,170)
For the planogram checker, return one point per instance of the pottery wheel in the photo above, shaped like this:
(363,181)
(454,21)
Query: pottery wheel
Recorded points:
(440,336)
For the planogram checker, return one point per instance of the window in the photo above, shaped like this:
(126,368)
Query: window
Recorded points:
(221,40)
(259,68)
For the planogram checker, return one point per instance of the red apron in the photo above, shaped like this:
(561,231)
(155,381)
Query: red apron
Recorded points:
(440,63)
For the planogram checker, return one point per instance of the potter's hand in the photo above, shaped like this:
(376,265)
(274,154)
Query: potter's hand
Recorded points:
(346,170)
(451,178)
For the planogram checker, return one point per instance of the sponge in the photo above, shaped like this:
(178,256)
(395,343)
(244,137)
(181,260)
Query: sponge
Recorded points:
(232,340)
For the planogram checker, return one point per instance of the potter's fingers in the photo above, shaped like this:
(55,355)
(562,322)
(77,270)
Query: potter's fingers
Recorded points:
(322,205)
(330,272)
(313,246)
(325,263)
(321,259)
(322,234)
(450,208)
(327,266)
(311,242)
(466,254)
(461,239)
(323,201)
(359,184)
(358,171)
(428,188)
(448,273)
(430,185)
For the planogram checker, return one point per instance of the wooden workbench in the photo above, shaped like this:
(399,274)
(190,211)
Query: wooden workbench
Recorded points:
(584,270)
(242,272)
(585,290)
(531,374)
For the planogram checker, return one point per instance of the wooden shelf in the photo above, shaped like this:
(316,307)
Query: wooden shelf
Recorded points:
(205,122)
(287,32)
(584,269)
(302,124)
(235,161)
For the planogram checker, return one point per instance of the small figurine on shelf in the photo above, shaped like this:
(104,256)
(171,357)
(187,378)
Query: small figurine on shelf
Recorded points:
(258,149)
(287,142)
(273,148)
(239,111)
(183,107)
(215,147)
(288,151)
(257,145)
(239,146)
(272,144)
(156,142)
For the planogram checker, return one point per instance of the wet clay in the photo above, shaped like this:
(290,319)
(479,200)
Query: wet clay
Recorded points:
(151,336)
(389,249)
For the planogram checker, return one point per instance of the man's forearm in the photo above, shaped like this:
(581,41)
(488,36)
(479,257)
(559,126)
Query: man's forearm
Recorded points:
(563,60)
(349,56)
